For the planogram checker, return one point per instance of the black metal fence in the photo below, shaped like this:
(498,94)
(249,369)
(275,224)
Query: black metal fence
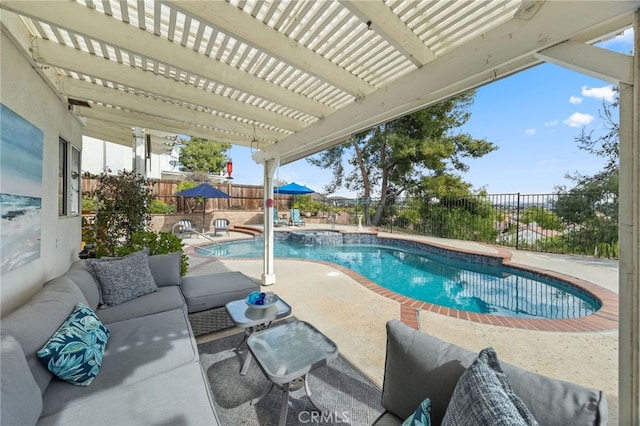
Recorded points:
(585,224)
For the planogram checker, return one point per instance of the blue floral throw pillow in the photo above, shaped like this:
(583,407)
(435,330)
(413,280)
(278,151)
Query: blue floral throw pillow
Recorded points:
(422,415)
(74,352)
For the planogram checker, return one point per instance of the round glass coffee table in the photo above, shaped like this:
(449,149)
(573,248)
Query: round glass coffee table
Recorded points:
(253,319)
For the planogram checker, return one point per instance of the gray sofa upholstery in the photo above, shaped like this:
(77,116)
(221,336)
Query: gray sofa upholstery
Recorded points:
(419,366)
(150,373)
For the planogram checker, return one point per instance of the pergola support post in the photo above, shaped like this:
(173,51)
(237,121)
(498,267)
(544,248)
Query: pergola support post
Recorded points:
(629,242)
(139,151)
(268,273)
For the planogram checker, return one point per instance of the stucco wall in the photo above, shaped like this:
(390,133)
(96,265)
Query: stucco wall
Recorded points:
(26,93)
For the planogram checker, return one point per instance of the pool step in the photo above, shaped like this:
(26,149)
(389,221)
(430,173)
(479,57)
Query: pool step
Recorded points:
(247,230)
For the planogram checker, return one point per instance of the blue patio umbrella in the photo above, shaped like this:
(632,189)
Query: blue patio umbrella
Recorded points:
(203,190)
(293,189)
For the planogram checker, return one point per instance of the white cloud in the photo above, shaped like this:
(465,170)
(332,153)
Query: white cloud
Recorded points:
(551,123)
(530,132)
(575,100)
(607,93)
(577,119)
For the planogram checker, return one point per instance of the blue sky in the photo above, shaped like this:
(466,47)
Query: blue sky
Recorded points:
(533,117)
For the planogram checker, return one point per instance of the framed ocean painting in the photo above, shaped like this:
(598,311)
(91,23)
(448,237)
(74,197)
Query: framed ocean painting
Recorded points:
(21,150)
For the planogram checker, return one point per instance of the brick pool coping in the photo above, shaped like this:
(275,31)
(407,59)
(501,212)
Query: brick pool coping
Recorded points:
(605,319)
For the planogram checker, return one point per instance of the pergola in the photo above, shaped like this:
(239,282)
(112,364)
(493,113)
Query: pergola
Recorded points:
(292,78)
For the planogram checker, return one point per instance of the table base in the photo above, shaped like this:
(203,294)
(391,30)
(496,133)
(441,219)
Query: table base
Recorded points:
(287,388)
(248,332)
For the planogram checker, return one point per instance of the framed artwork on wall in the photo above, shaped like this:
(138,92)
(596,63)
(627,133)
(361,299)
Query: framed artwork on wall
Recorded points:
(21,152)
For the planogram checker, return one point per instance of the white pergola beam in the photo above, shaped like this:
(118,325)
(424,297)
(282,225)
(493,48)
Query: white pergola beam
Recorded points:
(83,20)
(88,91)
(111,132)
(594,61)
(442,77)
(242,26)
(387,24)
(130,118)
(54,54)
(123,135)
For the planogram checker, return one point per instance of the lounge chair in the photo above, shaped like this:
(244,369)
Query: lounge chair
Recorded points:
(295,219)
(221,225)
(277,221)
(184,226)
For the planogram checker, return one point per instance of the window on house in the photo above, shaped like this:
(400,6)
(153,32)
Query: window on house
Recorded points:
(75,181)
(62,177)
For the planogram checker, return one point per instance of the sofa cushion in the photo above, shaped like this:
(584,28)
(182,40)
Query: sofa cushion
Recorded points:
(138,348)
(74,352)
(166,299)
(420,366)
(80,274)
(177,397)
(21,397)
(210,291)
(420,417)
(123,279)
(387,419)
(35,322)
(165,268)
(484,396)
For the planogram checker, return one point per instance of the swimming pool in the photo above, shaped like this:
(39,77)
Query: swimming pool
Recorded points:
(427,277)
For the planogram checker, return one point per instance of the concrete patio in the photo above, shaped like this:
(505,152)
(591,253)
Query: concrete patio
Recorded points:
(355,317)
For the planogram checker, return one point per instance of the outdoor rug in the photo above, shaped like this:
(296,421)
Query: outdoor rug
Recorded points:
(339,386)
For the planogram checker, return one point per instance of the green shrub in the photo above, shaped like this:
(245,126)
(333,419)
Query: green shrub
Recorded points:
(157,243)
(160,207)
(122,202)
(88,203)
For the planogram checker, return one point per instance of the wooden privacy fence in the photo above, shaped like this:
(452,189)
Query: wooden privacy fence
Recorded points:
(243,197)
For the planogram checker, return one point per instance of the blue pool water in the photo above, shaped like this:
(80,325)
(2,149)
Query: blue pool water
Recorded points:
(421,276)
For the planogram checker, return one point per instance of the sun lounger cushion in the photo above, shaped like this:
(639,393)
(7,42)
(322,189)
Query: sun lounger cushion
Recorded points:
(203,292)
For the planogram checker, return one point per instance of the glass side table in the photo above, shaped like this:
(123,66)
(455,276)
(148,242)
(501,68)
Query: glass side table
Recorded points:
(252,320)
(286,353)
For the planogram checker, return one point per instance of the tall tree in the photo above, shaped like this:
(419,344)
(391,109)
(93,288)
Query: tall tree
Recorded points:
(202,155)
(592,202)
(400,155)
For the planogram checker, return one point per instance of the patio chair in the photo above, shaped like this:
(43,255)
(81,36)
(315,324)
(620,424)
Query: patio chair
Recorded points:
(296,220)
(277,221)
(183,226)
(221,225)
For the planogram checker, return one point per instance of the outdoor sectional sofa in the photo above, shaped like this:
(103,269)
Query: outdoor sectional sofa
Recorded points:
(150,372)
(419,366)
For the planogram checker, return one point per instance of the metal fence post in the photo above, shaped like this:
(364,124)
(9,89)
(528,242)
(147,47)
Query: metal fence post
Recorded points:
(518,221)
